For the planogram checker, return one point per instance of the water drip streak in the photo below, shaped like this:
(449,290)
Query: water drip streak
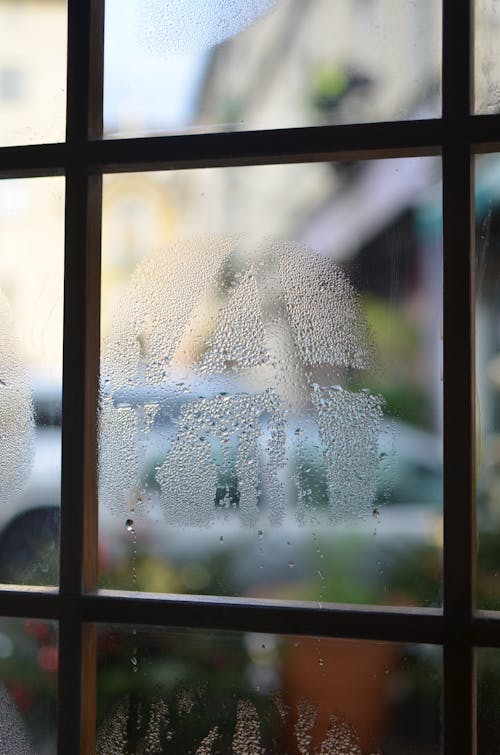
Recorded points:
(260,535)
(129,524)
(319,571)
(133,658)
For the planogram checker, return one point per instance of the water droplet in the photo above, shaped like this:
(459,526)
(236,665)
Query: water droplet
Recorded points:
(129,524)
(291,564)
(185,26)
(326,325)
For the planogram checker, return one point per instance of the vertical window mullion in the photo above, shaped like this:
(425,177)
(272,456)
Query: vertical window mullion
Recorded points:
(78,560)
(458,327)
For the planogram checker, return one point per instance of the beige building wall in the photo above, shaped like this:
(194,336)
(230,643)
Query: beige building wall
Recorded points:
(32,110)
(268,69)
(32,71)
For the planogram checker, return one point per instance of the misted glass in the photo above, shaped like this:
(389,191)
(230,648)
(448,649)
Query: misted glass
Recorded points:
(28,686)
(31,313)
(270,412)
(244,693)
(487,182)
(487,56)
(205,65)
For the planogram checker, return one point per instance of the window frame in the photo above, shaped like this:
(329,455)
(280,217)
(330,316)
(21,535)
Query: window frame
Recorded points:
(78,604)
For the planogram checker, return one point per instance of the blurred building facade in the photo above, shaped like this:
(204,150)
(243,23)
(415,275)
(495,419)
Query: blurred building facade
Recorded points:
(333,61)
(336,60)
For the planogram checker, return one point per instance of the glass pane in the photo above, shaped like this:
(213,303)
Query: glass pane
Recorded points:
(204,65)
(31,304)
(488,701)
(487,56)
(488,383)
(270,419)
(28,686)
(221,692)
(32,71)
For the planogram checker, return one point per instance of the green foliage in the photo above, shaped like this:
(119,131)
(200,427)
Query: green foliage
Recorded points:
(378,571)
(328,84)
(396,373)
(489,569)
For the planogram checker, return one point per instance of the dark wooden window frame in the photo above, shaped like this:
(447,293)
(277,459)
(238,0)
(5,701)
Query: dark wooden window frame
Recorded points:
(457,137)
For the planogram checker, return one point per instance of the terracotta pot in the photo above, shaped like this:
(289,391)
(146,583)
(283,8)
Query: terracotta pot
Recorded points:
(348,679)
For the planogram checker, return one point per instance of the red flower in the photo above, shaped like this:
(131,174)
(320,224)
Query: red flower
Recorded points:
(22,694)
(39,630)
(48,658)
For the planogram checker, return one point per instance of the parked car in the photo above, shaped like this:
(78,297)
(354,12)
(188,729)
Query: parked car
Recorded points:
(404,505)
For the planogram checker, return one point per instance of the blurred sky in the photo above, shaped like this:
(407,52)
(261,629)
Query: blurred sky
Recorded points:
(153,68)
(134,77)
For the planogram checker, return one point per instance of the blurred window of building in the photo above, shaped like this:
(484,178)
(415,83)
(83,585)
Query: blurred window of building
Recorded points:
(11,84)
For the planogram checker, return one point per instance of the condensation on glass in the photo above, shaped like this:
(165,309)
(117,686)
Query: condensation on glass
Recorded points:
(32,71)
(270,411)
(215,692)
(487,56)
(487,204)
(488,700)
(31,312)
(205,65)
(28,686)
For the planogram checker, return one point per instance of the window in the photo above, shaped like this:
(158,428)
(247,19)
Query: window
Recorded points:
(78,606)
(11,84)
